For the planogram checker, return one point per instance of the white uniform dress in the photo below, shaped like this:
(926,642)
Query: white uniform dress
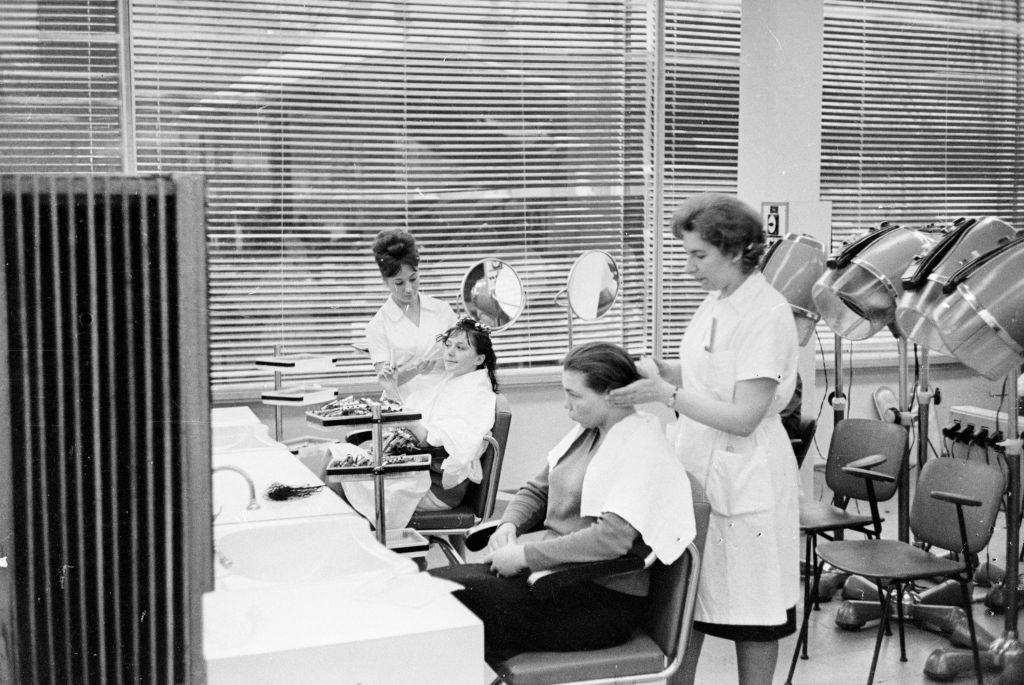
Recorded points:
(390,332)
(750,574)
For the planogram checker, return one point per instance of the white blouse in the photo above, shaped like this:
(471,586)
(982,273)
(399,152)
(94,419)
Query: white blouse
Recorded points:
(390,332)
(457,412)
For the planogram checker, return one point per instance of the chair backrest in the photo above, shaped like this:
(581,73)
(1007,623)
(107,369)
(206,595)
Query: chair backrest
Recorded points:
(853,439)
(483,494)
(935,522)
(666,601)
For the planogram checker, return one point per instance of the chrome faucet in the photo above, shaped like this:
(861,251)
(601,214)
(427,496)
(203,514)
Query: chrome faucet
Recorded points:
(253,503)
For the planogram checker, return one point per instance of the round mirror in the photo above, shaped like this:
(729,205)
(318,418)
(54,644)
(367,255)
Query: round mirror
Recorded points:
(493,294)
(593,285)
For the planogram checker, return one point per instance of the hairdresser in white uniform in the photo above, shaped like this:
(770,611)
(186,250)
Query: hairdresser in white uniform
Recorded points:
(402,335)
(736,370)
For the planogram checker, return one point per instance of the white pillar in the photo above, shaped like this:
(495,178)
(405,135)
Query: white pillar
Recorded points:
(780,126)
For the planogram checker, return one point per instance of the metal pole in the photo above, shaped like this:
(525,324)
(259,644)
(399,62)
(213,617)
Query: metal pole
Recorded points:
(1008,644)
(278,415)
(378,473)
(924,401)
(903,491)
(838,398)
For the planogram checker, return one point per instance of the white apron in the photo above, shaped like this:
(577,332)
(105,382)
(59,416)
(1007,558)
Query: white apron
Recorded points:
(750,572)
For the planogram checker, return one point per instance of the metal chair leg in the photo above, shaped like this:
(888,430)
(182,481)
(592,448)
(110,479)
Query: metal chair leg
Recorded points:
(803,637)
(454,559)
(886,598)
(965,591)
(899,621)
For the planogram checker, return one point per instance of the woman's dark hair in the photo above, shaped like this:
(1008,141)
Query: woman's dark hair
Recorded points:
(725,222)
(604,366)
(479,336)
(393,248)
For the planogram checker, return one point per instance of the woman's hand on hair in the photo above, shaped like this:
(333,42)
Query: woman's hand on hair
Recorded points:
(507,561)
(649,367)
(641,392)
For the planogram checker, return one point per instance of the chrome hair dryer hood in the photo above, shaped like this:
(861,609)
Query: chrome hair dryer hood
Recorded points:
(792,265)
(982,318)
(857,295)
(923,283)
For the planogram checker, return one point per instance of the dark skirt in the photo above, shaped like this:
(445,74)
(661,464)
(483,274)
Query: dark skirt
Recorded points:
(749,633)
(452,496)
(583,616)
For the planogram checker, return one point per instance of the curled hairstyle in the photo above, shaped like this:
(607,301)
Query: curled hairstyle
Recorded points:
(393,248)
(725,222)
(604,366)
(478,336)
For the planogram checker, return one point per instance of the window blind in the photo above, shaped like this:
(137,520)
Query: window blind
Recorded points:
(702,75)
(59,86)
(505,129)
(920,117)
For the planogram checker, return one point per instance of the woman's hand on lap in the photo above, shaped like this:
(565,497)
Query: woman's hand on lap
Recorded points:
(507,561)
(503,535)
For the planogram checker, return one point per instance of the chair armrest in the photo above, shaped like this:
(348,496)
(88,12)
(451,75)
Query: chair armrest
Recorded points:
(868,462)
(478,536)
(862,468)
(543,584)
(954,498)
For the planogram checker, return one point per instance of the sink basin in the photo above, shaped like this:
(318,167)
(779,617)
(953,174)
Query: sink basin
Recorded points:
(291,551)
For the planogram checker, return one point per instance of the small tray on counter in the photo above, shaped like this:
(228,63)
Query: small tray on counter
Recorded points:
(414,462)
(407,541)
(360,419)
(352,411)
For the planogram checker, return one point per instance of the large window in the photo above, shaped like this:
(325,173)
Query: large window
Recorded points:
(505,129)
(520,130)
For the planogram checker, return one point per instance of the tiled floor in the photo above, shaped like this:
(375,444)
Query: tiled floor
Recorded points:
(841,657)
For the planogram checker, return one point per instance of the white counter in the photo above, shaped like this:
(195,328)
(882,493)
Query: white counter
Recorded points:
(305,593)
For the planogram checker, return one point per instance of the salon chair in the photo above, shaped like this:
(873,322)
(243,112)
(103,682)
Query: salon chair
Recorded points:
(945,487)
(855,442)
(655,651)
(447,529)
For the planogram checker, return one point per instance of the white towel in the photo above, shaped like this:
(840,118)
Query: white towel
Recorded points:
(636,475)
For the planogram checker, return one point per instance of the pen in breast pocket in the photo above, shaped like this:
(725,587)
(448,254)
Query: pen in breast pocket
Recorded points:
(709,343)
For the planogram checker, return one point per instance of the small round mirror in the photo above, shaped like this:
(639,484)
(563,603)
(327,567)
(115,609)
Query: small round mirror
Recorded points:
(493,294)
(593,285)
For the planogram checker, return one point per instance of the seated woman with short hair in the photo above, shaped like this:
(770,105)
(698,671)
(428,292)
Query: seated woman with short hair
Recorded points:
(612,485)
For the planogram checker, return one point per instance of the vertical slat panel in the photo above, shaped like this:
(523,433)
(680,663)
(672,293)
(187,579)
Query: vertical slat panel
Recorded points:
(115,418)
(91,485)
(9,547)
(36,388)
(166,420)
(20,550)
(132,442)
(192,372)
(56,461)
(145,415)
(104,332)
(77,448)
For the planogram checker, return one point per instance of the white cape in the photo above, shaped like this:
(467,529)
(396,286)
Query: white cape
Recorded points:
(636,475)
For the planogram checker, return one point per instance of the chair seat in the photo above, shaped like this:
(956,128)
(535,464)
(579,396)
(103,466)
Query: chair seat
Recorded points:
(819,517)
(886,559)
(459,518)
(639,655)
